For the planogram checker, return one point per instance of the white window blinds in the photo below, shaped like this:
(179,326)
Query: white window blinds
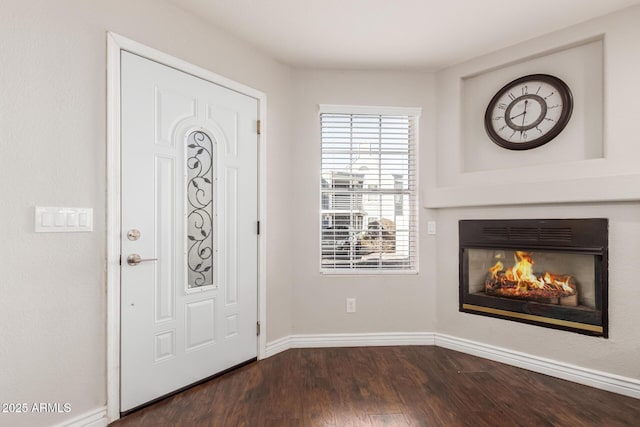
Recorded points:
(368,214)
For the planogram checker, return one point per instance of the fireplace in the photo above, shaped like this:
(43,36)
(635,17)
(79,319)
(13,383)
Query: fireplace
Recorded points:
(546,272)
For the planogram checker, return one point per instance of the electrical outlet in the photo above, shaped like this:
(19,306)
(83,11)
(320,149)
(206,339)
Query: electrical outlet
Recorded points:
(351,305)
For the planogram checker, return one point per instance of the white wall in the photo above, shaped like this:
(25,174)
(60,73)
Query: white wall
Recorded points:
(613,176)
(619,353)
(398,303)
(53,153)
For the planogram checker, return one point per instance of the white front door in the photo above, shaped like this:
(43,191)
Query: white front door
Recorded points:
(189,241)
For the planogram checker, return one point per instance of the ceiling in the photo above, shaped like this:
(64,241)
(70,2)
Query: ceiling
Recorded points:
(391,34)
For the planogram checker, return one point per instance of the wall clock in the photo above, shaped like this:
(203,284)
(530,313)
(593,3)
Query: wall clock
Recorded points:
(528,112)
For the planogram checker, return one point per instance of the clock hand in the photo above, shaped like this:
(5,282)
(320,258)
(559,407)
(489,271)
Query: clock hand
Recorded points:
(525,111)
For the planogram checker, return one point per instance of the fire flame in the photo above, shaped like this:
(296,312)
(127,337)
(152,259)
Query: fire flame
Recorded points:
(521,274)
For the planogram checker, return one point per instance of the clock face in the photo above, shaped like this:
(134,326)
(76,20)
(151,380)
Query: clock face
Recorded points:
(528,112)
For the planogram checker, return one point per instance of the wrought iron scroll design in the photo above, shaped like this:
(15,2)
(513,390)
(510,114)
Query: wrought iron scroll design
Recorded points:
(200,195)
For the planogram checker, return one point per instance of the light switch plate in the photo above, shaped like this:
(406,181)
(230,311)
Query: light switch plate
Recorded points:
(63,220)
(431,227)
(351,305)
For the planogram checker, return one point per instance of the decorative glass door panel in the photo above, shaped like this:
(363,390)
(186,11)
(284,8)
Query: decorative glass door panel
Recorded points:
(200,210)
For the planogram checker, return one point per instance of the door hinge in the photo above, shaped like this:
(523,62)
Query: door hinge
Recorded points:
(258,227)
(257,328)
(258,127)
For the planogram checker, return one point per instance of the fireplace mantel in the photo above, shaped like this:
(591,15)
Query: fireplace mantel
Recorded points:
(596,189)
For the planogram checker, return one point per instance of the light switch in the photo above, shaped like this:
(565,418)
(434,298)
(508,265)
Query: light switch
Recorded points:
(431,227)
(72,219)
(60,220)
(84,219)
(47,220)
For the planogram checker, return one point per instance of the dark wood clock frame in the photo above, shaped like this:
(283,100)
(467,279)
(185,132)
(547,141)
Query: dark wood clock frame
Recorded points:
(567,101)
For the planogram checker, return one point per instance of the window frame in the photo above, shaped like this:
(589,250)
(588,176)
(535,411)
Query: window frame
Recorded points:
(414,114)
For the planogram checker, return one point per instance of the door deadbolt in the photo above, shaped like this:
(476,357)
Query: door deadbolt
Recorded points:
(133,234)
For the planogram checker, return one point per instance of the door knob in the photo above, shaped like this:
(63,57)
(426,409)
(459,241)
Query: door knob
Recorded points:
(135,259)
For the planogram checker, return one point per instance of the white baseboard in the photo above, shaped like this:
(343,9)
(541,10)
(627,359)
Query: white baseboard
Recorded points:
(95,418)
(597,379)
(362,340)
(349,340)
(277,346)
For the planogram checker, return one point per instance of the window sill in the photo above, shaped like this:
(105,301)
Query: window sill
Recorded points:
(366,272)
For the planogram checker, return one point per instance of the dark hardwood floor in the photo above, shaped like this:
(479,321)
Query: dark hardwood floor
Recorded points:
(386,386)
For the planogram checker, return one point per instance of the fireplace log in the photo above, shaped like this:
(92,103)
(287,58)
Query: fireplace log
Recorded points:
(570,301)
(501,286)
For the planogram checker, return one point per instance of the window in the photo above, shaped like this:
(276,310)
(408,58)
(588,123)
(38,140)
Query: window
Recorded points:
(368,214)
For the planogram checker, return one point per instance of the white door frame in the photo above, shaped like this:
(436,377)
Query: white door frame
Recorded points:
(115,44)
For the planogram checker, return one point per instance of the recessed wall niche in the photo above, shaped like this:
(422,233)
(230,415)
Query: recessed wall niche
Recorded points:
(581,67)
